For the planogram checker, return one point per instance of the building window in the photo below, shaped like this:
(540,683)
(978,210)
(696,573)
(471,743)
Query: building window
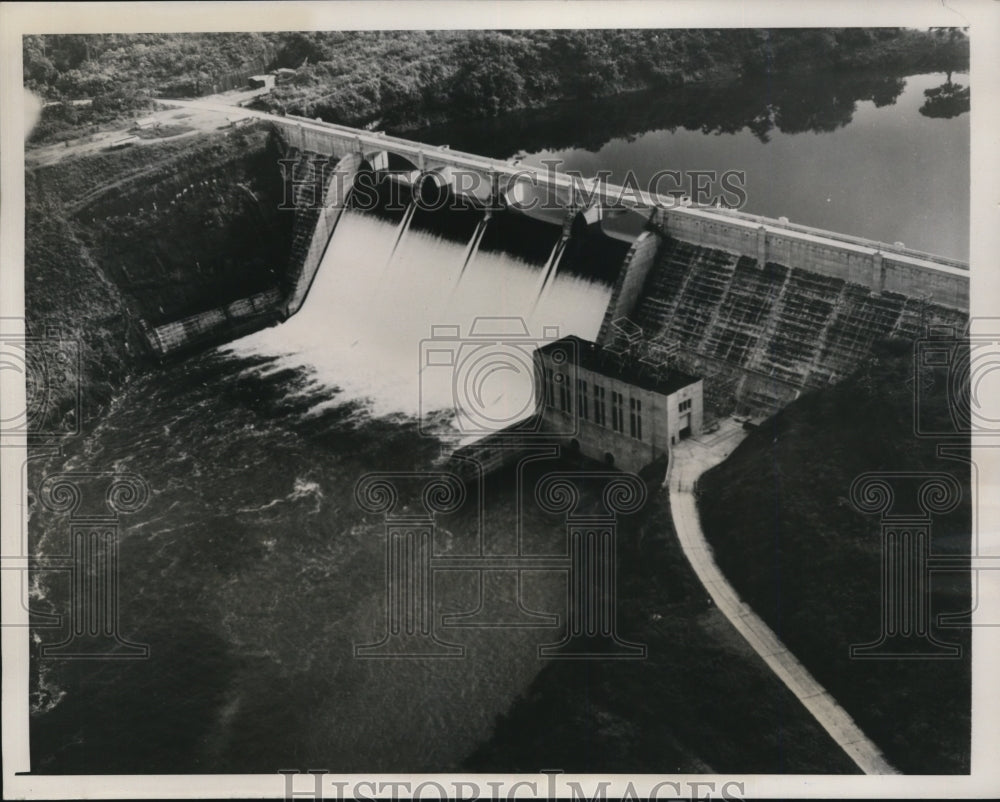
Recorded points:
(599,418)
(617,412)
(550,393)
(564,398)
(685,405)
(635,418)
(581,398)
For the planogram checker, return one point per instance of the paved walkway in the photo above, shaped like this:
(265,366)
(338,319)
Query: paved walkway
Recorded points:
(690,459)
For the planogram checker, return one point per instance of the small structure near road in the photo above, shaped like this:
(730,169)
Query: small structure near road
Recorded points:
(262,81)
(237,120)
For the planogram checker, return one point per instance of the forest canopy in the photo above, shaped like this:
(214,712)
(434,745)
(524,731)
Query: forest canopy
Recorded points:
(411,78)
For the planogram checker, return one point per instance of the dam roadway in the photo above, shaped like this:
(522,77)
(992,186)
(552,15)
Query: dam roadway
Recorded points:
(588,195)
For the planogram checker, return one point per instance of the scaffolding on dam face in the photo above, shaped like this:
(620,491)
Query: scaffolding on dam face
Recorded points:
(776,329)
(212,326)
(710,277)
(806,304)
(751,293)
(861,319)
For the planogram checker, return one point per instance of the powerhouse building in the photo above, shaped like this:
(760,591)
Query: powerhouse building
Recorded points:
(611,407)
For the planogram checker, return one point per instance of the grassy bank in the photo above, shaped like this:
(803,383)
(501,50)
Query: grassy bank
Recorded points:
(701,701)
(778,515)
(201,228)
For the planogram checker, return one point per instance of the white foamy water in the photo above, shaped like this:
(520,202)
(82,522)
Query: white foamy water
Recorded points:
(366,325)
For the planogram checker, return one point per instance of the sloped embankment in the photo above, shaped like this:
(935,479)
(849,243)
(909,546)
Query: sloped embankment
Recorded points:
(785,534)
(200,228)
(152,233)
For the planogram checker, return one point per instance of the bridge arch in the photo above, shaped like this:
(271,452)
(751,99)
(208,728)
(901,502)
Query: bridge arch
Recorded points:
(625,224)
(396,162)
(433,188)
(549,203)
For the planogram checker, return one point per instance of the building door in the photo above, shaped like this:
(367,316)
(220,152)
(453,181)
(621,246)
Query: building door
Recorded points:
(685,425)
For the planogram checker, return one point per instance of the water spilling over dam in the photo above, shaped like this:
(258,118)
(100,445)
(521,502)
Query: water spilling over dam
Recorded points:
(370,307)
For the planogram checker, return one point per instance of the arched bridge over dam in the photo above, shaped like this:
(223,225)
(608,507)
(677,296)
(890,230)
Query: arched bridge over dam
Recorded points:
(525,188)
(762,308)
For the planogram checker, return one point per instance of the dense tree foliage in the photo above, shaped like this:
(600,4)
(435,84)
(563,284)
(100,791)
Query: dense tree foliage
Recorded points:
(89,65)
(120,73)
(406,79)
(413,78)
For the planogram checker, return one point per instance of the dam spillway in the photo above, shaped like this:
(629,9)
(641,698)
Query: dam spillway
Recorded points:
(359,330)
(764,309)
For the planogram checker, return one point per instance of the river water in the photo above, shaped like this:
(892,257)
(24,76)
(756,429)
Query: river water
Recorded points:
(252,574)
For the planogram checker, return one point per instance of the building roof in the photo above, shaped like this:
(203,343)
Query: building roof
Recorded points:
(623,367)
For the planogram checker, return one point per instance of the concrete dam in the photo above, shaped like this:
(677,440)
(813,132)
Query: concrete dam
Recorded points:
(762,326)
(763,309)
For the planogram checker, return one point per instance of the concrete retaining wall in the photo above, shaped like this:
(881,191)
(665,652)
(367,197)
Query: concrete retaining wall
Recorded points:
(336,144)
(221,323)
(309,139)
(631,279)
(314,227)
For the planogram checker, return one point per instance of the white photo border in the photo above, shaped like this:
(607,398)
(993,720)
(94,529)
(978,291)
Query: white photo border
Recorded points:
(982,17)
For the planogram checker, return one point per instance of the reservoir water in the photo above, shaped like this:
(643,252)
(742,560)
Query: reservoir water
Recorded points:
(251,572)
(817,149)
